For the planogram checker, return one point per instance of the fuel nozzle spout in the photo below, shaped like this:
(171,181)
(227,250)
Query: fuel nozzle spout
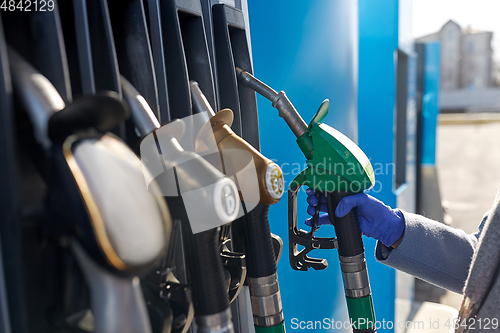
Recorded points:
(236,151)
(279,101)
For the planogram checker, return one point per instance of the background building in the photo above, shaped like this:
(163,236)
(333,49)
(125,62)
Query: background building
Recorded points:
(466,57)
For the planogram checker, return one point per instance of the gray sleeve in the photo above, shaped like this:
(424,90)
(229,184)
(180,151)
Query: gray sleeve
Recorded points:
(432,251)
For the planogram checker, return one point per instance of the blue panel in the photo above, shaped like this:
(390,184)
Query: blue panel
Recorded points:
(430,107)
(378,42)
(309,50)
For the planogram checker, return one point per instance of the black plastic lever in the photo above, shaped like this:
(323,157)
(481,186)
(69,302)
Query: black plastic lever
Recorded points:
(299,260)
(186,54)
(91,51)
(133,48)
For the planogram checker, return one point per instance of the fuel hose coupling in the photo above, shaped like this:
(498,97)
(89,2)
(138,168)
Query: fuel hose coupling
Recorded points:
(358,293)
(355,276)
(266,301)
(215,323)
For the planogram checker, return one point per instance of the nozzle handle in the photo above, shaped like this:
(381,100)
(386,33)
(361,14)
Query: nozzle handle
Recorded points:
(346,228)
(118,304)
(353,266)
(260,257)
(206,272)
(279,101)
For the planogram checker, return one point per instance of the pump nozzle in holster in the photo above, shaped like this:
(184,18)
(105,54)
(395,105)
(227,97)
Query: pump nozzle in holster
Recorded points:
(253,228)
(180,174)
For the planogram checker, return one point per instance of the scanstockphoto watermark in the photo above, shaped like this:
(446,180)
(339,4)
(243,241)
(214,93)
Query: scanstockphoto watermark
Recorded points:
(415,326)
(331,323)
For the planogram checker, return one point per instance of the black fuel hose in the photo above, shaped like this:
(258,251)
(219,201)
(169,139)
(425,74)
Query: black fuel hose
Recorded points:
(206,270)
(259,252)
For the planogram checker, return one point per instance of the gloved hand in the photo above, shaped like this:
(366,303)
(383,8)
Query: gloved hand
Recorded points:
(376,220)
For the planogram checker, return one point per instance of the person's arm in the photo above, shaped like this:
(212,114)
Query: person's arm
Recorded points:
(396,244)
(431,251)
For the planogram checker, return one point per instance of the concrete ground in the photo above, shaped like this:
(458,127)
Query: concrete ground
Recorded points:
(468,161)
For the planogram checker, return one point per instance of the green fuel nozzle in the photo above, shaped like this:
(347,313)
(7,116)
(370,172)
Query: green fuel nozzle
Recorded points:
(335,163)
(337,167)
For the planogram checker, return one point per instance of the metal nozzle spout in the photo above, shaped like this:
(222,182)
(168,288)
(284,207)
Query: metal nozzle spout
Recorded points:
(143,117)
(257,85)
(269,174)
(200,102)
(279,101)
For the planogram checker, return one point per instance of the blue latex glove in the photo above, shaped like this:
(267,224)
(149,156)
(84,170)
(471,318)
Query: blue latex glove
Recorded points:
(376,220)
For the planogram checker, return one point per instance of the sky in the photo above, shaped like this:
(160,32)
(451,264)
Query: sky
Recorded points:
(430,15)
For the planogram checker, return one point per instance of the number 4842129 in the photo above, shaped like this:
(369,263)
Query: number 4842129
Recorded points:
(27,5)
(472,323)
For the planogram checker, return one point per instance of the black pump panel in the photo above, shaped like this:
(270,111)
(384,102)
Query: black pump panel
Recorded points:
(91,50)
(12,301)
(231,51)
(186,54)
(154,25)
(133,48)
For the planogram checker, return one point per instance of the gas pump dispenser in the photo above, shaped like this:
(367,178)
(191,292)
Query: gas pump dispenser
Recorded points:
(337,167)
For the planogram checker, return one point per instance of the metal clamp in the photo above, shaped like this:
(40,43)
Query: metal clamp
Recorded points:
(277,246)
(234,264)
(299,260)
